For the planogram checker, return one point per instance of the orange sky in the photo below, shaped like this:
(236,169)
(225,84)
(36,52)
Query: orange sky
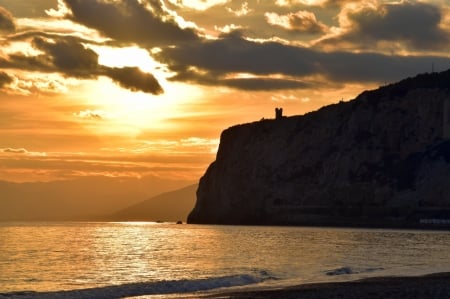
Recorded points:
(139,87)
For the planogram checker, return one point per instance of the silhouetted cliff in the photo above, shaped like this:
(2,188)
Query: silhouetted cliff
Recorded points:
(382,159)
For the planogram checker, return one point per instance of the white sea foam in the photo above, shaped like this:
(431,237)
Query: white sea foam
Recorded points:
(147,288)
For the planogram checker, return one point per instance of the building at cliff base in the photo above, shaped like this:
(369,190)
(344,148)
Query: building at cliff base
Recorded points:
(446,119)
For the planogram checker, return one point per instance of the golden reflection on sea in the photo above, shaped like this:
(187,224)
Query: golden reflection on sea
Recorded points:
(81,255)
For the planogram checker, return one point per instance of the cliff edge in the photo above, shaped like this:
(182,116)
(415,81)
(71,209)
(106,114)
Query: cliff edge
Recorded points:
(382,159)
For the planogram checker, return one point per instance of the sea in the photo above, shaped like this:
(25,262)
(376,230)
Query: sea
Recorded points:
(167,260)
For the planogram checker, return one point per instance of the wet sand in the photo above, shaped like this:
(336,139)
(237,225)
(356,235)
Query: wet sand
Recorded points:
(428,286)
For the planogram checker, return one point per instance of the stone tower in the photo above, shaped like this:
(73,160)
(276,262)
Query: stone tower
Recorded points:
(278,113)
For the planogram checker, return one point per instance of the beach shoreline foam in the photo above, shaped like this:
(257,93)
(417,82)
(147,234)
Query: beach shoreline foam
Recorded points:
(436,285)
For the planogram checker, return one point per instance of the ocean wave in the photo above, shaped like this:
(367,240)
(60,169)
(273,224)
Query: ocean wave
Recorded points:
(147,288)
(350,270)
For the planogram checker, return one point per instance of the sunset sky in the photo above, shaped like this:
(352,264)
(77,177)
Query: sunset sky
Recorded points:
(131,88)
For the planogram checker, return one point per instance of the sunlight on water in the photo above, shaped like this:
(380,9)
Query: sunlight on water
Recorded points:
(67,256)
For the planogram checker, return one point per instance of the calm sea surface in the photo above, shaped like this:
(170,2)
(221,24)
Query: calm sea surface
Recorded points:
(133,259)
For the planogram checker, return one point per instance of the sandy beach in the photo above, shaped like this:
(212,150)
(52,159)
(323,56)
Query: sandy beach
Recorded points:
(428,286)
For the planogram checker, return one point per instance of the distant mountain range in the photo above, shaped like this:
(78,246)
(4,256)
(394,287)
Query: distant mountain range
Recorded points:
(168,206)
(91,198)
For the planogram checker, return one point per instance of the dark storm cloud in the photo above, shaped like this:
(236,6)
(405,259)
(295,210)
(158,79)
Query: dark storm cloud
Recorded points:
(6,21)
(68,56)
(216,62)
(134,79)
(28,63)
(130,21)
(64,55)
(4,79)
(415,24)
(233,54)
(373,67)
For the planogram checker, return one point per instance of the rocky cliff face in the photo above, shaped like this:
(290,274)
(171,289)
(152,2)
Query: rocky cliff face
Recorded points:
(382,159)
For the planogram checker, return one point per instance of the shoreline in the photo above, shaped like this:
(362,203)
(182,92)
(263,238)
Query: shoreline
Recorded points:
(436,285)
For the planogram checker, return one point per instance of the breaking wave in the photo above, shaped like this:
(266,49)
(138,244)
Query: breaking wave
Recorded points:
(148,288)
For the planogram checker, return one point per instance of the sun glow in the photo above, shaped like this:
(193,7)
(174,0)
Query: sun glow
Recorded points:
(128,112)
(131,112)
(126,57)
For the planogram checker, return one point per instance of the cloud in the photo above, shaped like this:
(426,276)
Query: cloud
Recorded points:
(233,53)
(6,21)
(253,83)
(242,11)
(282,98)
(70,55)
(187,146)
(303,2)
(92,114)
(317,3)
(227,28)
(134,79)
(201,5)
(67,55)
(28,9)
(264,83)
(131,21)
(215,61)
(22,151)
(301,21)
(4,79)
(14,150)
(60,12)
(414,24)
(22,83)
(271,65)
(334,3)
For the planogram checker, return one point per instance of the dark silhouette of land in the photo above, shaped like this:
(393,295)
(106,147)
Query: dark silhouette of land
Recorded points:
(93,199)
(380,160)
(169,206)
